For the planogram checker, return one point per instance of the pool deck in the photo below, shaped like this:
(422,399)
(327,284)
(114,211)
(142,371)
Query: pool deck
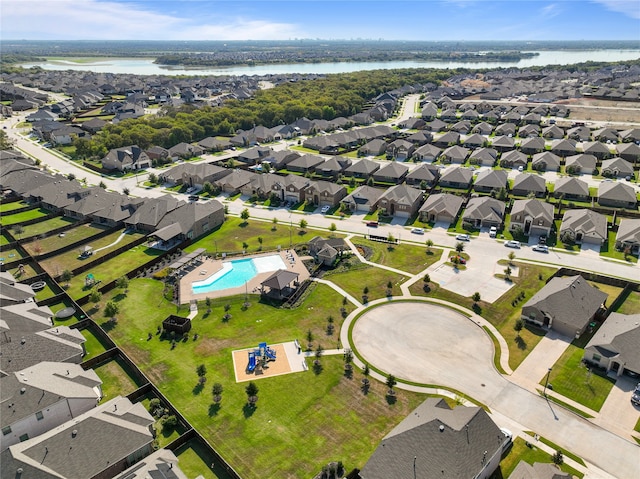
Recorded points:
(211,266)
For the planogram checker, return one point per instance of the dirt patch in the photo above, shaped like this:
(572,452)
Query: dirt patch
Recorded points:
(208,347)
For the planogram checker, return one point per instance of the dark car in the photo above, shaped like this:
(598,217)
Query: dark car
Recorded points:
(194,198)
(373,224)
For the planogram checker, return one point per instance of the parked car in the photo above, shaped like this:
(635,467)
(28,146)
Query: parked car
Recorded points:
(191,189)
(512,244)
(417,231)
(542,239)
(541,248)
(372,224)
(324,209)
(463,237)
(194,197)
(635,399)
(493,232)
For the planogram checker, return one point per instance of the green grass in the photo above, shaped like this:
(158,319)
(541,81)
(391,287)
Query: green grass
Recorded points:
(15,205)
(29,272)
(313,416)
(163,436)
(93,346)
(53,243)
(47,292)
(497,351)
(4,239)
(461,228)
(530,455)
(501,313)
(565,453)
(608,250)
(359,276)
(631,304)
(61,305)
(568,406)
(116,381)
(405,257)
(194,460)
(23,216)
(612,291)
(10,255)
(70,259)
(637,426)
(571,379)
(113,268)
(45,226)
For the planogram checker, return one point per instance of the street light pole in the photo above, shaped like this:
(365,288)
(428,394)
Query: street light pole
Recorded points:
(546,382)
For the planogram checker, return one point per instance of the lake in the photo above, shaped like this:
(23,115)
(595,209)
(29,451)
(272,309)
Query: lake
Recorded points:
(145,66)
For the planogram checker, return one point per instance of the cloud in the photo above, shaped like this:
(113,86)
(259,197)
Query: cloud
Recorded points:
(551,10)
(111,20)
(630,8)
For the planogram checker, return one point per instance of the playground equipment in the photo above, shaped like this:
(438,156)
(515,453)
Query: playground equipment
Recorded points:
(261,356)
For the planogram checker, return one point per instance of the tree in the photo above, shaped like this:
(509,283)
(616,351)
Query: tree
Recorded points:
(126,191)
(303,224)
(216,390)
(102,185)
(391,238)
(459,247)
(518,325)
(122,282)
(511,256)
(426,279)
(275,224)
(391,382)
(365,372)
(95,296)
(111,309)
(66,276)
(507,273)
(252,393)
(71,177)
(18,229)
(429,244)
(365,290)
(153,178)
(475,297)
(207,187)
(318,353)
(558,458)
(309,338)
(244,214)
(333,227)
(201,370)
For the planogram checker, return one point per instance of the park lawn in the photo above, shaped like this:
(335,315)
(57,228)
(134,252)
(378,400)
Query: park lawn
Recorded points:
(195,460)
(23,216)
(71,259)
(312,415)
(501,313)
(55,242)
(14,205)
(356,278)
(520,452)
(570,378)
(45,226)
(116,381)
(631,304)
(608,250)
(112,269)
(404,257)
(93,346)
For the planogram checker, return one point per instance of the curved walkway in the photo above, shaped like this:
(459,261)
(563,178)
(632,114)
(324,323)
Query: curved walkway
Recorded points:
(118,239)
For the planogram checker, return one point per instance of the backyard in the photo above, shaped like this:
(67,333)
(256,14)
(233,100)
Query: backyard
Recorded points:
(8,220)
(44,226)
(55,242)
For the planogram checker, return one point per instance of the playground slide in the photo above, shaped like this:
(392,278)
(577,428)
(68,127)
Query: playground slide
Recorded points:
(252,361)
(270,353)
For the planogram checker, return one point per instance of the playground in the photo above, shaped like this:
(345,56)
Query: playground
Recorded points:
(267,361)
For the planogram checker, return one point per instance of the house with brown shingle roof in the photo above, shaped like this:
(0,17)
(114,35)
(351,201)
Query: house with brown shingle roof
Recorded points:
(571,189)
(580,163)
(443,207)
(363,199)
(400,200)
(490,180)
(545,161)
(616,168)
(456,177)
(484,211)
(526,183)
(533,217)
(615,345)
(324,193)
(392,172)
(584,226)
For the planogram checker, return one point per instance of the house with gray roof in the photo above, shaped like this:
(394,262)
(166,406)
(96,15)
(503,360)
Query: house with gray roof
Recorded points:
(441,207)
(281,158)
(454,154)
(483,157)
(429,111)
(563,147)
(21,181)
(490,180)
(162,464)
(617,195)
(126,158)
(616,168)
(463,127)
(44,396)
(484,211)
(363,199)
(420,138)
(392,172)
(148,215)
(234,181)
(448,139)
(427,153)
(57,194)
(503,143)
(533,217)
(581,163)
(103,441)
(400,149)
(425,175)
(87,206)
(324,193)
(436,125)
(189,221)
(527,183)
(631,135)
(333,167)
(212,143)
(615,345)
(539,470)
(579,133)
(629,152)
(597,149)
(533,145)
(513,159)
(375,147)
(326,250)
(197,174)
(12,292)
(305,163)
(565,304)
(552,132)
(545,161)
(529,131)
(437,441)
(571,188)
(584,226)
(456,177)
(606,134)
(292,188)
(628,236)
(506,129)
(362,169)
(254,156)
(474,141)
(484,128)
(401,201)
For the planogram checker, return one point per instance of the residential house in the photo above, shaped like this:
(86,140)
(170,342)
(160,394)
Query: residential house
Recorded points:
(148,215)
(324,193)
(327,250)
(563,148)
(13,292)
(630,136)
(197,174)
(503,143)
(88,205)
(628,236)
(450,138)
(581,163)
(158,154)
(505,129)
(126,158)
(234,181)
(566,305)
(456,177)
(545,161)
(484,211)
(333,167)
(449,115)
(529,131)
(184,151)
(606,134)
(423,177)
(513,159)
(597,149)
(375,147)
(532,217)
(490,180)
(454,443)
(571,188)
(57,194)
(553,132)
(614,346)
(162,464)
(437,125)
(362,169)
(214,144)
(66,135)
(281,158)
(255,155)
(583,226)
(441,207)
(454,154)
(118,211)
(579,133)
(483,157)
(363,199)
(429,111)
(474,141)
(305,163)
(616,168)
(413,124)
(420,138)
(189,221)
(44,396)
(400,150)
(629,152)
(531,146)
(392,172)
(526,183)
(293,188)
(463,127)
(484,128)
(427,153)
(401,201)
(123,431)
(617,195)
(264,185)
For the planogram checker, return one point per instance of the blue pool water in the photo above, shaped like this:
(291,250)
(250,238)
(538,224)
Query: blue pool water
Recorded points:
(237,272)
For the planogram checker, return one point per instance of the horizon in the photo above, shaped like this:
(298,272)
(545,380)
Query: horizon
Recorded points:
(327,20)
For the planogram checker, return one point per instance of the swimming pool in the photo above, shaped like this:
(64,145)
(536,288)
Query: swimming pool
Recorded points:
(237,272)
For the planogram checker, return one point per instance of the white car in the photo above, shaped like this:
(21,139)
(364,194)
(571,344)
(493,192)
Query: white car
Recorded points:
(512,244)
(462,237)
(191,189)
(493,232)
(417,231)
(324,209)
(541,248)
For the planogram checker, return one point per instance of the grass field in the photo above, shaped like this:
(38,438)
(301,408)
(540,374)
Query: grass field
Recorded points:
(631,304)
(65,304)
(93,346)
(4,239)
(71,260)
(501,313)
(520,452)
(15,205)
(24,216)
(116,381)
(404,257)
(571,379)
(10,255)
(195,460)
(49,291)
(45,226)
(53,243)
(360,276)
(313,416)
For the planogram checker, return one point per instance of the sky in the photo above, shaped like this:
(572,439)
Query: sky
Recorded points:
(428,20)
